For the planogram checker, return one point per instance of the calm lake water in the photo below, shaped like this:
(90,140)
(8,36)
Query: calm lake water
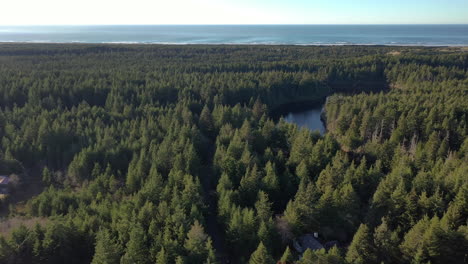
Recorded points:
(309,118)
(424,35)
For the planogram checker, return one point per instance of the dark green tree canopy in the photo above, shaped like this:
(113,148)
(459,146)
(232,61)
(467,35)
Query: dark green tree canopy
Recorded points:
(179,154)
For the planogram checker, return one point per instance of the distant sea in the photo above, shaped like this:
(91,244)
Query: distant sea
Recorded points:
(424,35)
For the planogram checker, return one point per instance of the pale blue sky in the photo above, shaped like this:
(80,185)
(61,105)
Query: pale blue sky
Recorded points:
(35,12)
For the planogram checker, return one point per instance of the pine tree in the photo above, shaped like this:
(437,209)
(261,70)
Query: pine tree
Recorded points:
(246,131)
(211,254)
(457,213)
(386,243)
(261,256)
(413,243)
(249,185)
(270,182)
(258,109)
(263,207)
(266,233)
(106,250)
(236,146)
(133,179)
(47,176)
(136,251)
(195,243)
(333,256)
(302,171)
(361,250)
(307,257)
(206,121)
(301,147)
(287,257)
(162,257)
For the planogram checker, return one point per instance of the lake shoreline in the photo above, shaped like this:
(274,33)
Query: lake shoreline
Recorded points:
(302,113)
(297,106)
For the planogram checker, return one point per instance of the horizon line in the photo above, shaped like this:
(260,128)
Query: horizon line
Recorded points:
(288,24)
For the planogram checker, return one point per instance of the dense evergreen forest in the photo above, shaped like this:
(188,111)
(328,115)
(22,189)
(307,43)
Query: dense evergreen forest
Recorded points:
(169,154)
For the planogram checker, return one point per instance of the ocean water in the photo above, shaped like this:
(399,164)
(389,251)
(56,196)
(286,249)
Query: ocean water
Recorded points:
(425,35)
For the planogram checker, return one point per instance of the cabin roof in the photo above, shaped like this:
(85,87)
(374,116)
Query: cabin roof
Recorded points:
(307,241)
(4,179)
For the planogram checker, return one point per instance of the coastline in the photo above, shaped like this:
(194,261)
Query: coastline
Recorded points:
(398,35)
(3,42)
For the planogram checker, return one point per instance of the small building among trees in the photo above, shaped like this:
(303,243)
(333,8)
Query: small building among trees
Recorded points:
(307,241)
(4,181)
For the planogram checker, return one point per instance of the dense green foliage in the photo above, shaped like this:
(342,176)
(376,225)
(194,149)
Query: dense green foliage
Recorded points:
(167,154)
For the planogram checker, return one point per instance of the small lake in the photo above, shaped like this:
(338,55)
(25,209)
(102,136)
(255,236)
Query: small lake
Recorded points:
(305,114)
(309,118)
